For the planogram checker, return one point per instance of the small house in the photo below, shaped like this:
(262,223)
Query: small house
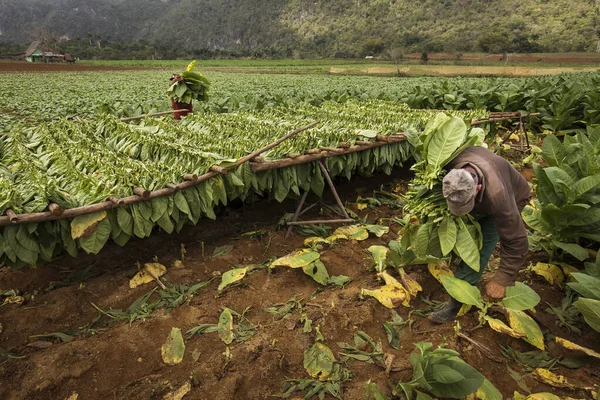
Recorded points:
(34,53)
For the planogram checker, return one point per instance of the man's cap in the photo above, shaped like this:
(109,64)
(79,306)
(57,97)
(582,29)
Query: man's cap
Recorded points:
(459,189)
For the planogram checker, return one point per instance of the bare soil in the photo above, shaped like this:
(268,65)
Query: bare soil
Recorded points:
(123,361)
(23,66)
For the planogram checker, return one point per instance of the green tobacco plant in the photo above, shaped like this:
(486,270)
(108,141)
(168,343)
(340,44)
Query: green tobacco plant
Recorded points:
(565,215)
(440,372)
(588,286)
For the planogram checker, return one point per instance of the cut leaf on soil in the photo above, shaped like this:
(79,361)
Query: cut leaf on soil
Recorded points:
(222,251)
(573,346)
(174,348)
(147,274)
(319,361)
(379,254)
(552,273)
(232,276)
(297,259)
(353,232)
(225,326)
(550,378)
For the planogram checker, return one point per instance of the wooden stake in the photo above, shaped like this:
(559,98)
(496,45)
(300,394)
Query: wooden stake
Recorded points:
(218,169)
(116,201)
(190,177)
(12,216)
(142,192)
(172,186)
(55,209)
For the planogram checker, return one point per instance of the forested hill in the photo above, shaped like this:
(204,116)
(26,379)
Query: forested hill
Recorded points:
(309,27)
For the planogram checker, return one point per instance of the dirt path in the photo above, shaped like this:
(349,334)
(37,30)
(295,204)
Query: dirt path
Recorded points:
(118,360)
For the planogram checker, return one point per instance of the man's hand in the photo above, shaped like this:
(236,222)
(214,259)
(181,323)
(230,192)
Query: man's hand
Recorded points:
(494,291)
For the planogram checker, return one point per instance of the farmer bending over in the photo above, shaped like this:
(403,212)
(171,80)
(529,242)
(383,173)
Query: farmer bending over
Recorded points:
(493,192)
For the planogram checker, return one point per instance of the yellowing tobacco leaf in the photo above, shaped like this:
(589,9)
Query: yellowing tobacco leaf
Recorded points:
(84,225)
(174,348)
(319,361)
(438,269)
(225,326)
(514,137)
(147,274)
(335,237)
(391,295)
(353,232)
(409,283)
(523,323)
(552,273)
(501,327)
(231,276)
(315,240)
(568,269)
(550,378)
(297,259)
(573,346)
(464,309)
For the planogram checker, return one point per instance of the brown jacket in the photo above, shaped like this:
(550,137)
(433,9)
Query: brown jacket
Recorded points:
(503,194)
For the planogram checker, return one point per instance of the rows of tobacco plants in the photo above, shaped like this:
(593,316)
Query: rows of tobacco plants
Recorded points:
(565,102)
(80,162)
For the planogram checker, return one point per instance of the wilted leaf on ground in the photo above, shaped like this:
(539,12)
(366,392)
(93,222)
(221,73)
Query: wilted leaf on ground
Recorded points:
(74,396)
(573,346)
(297,259)
(222,250)
(391,295)
(147,274)
(319,361)
(535,396)
(550,378)
(409,283)
(552,273)
(353,232)
(378,230)
(179,393)
(174,348)
(317,271)
(225,326)
(231,276)
(83,226)
(339,280)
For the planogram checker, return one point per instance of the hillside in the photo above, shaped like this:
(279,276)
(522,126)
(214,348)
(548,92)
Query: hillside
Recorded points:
(305,28)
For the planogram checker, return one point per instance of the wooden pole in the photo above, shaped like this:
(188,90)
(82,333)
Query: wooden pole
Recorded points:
(12,218)
(303,159)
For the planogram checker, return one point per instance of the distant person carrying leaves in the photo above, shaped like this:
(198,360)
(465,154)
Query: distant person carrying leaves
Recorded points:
(486,186)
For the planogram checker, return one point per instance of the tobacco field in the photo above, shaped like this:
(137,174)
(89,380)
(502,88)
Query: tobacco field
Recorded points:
(182,283)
